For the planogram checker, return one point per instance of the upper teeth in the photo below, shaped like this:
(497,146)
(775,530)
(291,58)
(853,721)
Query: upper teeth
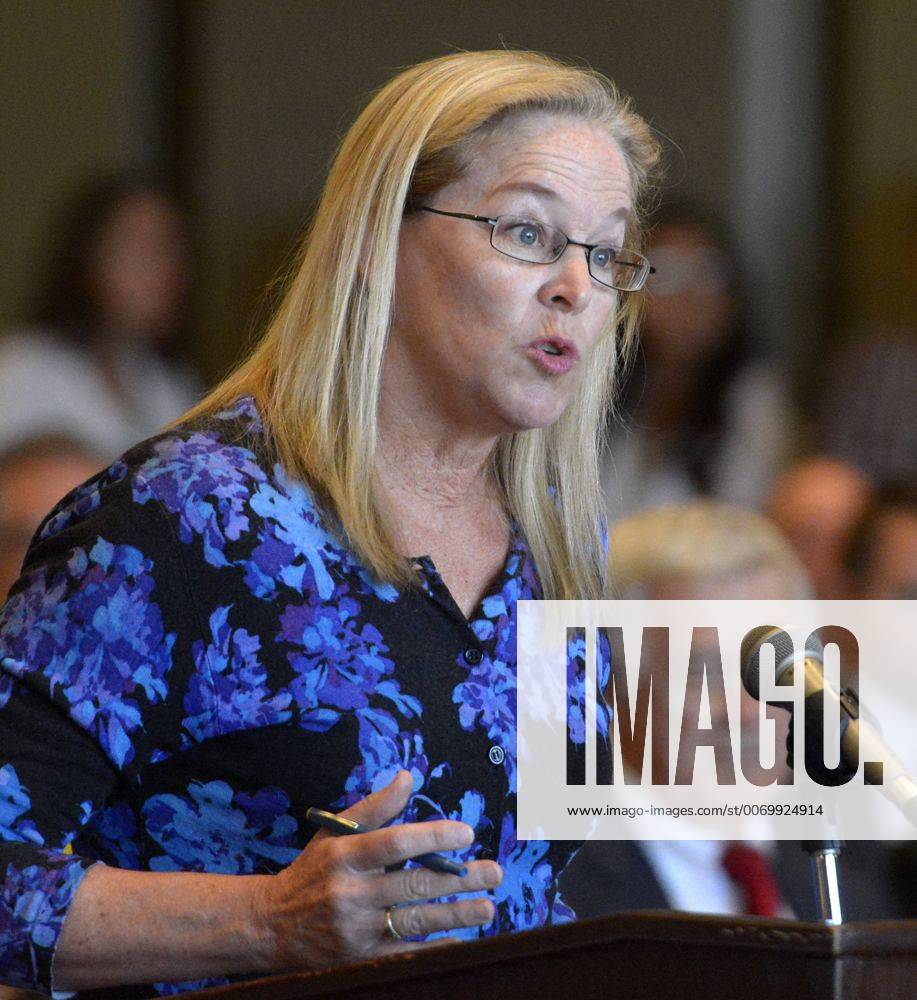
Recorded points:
(550,348)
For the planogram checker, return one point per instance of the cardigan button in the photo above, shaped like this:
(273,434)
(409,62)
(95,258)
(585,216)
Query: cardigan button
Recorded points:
(473,656)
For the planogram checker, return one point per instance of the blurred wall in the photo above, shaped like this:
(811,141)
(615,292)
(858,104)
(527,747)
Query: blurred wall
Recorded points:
(68,108)
(874,167)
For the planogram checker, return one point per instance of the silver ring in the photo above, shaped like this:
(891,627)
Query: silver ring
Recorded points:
(390,927)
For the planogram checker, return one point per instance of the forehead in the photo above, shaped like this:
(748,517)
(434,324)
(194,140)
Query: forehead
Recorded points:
(578,163)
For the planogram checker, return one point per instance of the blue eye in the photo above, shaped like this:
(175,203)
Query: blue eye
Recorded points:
(603,257)
(528,234)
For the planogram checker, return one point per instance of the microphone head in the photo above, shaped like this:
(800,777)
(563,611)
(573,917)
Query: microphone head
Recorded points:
(784,655)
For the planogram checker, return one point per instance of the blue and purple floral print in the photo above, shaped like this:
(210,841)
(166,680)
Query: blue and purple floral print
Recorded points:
(193,657)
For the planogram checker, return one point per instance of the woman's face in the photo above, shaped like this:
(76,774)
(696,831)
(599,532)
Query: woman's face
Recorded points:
(142,269)
(476,334)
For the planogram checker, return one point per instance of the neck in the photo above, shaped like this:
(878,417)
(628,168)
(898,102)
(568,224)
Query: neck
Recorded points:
(429,466)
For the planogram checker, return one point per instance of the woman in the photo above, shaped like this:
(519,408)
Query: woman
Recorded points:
(704,416)
(304,594)
(99,363)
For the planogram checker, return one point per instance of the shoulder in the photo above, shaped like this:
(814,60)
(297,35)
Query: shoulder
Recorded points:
(108,590)
(222,455)
(210,495)
(196,472)
(216,486)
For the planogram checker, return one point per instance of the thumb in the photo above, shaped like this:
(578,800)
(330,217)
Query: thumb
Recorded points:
(380,807)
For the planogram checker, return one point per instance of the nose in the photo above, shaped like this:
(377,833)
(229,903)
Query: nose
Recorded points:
(568,284)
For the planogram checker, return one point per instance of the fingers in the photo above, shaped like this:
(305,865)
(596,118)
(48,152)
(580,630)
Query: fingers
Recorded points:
(329,905)
(414,884)
(394,844)
(427,918)
(380,807)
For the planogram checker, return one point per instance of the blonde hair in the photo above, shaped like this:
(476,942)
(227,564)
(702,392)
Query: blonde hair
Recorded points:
(316,373)
(702,541)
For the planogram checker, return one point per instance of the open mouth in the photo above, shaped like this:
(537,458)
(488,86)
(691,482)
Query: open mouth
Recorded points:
(562,352)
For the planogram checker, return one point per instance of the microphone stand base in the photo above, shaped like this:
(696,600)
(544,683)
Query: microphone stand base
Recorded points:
(824,874)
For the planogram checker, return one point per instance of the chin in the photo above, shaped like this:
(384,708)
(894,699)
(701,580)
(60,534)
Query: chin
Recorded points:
(531,421)
(532,413)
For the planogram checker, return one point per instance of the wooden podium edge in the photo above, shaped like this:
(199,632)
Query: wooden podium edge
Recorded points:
(699,930)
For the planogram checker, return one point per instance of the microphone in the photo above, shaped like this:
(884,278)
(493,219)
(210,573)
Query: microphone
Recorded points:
(857,736)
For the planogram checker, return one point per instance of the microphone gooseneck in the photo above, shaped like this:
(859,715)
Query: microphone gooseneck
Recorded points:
(858,738)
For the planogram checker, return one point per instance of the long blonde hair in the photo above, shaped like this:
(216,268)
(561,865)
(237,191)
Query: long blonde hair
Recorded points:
(316,373)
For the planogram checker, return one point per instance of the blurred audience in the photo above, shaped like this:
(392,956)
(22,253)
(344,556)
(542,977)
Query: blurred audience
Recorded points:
(702,414)
(881,559)
(816,503)
(34,475)
(868,405)
(710,551)
(99,361)
(881,555)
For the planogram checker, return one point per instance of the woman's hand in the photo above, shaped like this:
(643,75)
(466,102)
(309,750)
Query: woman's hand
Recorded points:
(328,907)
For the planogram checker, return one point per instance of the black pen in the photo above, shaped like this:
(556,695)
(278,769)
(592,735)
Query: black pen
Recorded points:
(340,825)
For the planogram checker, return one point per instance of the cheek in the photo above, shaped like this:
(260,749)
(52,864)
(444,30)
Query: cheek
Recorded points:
(500,298)
(431,289)
(596,332)
(463,308)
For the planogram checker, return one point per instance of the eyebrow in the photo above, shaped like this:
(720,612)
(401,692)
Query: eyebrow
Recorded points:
(529,187)
(533,187)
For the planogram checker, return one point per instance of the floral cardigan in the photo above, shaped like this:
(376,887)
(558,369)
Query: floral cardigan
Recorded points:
(192,658)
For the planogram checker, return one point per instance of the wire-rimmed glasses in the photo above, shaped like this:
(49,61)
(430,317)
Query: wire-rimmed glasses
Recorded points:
(538,243)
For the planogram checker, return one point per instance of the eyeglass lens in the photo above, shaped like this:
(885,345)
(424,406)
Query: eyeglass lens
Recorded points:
(526,239)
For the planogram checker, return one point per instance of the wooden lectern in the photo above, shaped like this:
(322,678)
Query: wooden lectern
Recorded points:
(638,956)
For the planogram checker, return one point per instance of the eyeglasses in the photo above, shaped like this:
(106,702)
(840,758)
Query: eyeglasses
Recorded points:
(538,243)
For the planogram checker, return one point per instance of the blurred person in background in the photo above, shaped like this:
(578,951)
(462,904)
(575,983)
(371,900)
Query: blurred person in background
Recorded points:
(711,551)
(34,475)
(867,414)
(702,414)
(881,555)
(100,360)
(881,559)
(816,503)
